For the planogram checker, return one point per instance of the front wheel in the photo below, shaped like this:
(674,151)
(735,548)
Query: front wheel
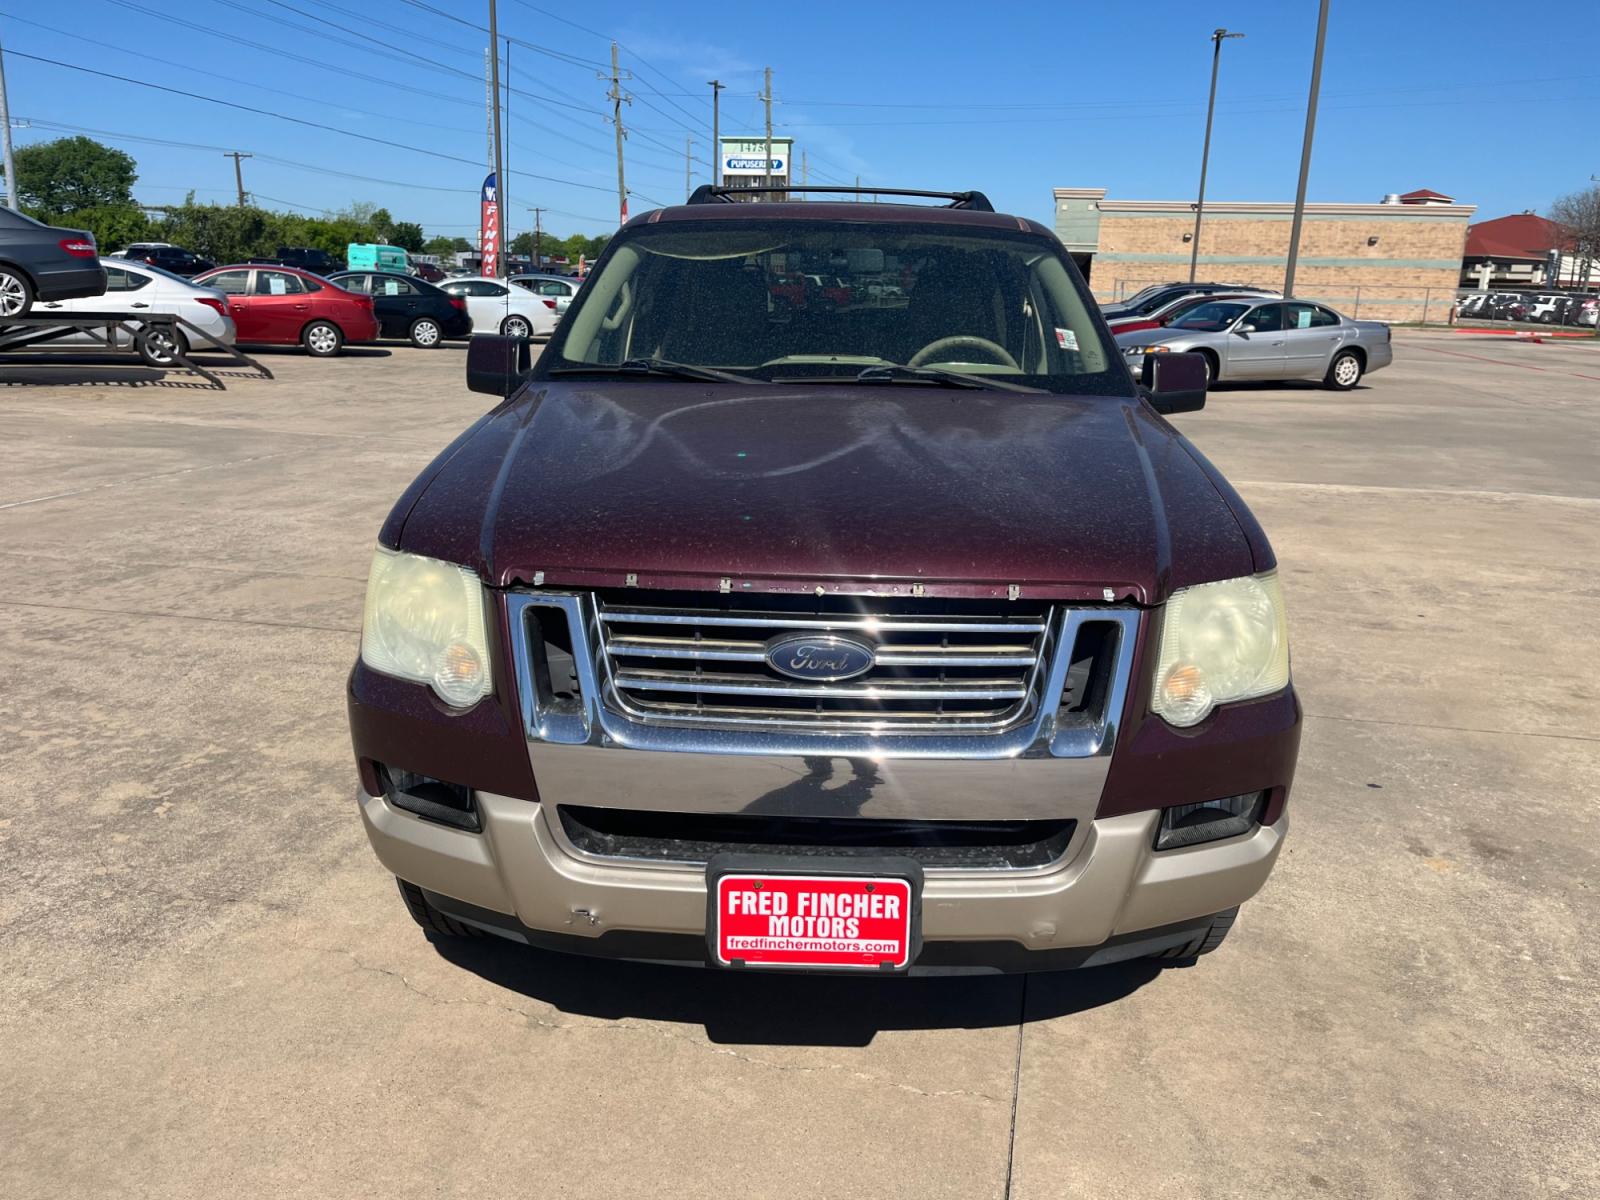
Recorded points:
(16,293)
(425,333)
(322,339)
(517,327)
(1205,941)
(1344,372)
(429,917)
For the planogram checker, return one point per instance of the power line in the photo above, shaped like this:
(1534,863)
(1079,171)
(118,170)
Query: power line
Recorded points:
(261,112)
(559,55)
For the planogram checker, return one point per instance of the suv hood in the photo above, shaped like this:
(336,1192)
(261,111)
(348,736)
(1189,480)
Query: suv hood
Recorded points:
(847,487)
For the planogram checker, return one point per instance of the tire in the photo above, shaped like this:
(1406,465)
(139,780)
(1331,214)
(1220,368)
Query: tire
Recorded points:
(1211,367)
(425,333)
(429,917)
(516,326)
(322,339)
(1207,940)
(1344,372)
(155,346)
(16,293)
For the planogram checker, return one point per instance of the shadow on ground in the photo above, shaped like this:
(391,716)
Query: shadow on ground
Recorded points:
(789,1010)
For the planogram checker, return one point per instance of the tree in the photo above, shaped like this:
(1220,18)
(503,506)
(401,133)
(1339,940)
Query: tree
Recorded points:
(113,225)
(461,246)
(440,246)
(1580,213)
(523,243)
(407,235)
(71,174)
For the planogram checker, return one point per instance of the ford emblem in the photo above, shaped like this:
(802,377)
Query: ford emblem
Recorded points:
(819,658)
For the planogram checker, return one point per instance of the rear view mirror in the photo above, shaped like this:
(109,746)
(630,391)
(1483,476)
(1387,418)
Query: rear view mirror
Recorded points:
(1175,383)
(496,364)
(1245,329)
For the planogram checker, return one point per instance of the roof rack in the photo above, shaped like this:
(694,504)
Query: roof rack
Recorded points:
(708,193)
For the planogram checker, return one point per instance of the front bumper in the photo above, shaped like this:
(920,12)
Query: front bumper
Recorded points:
(519,878)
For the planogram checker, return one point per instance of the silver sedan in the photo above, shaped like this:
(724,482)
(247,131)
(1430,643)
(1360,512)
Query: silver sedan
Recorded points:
(1271,339)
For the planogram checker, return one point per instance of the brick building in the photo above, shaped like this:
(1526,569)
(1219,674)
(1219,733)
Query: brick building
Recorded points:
(1399,260)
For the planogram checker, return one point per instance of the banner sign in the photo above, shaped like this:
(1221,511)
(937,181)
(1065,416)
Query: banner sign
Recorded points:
(489,228)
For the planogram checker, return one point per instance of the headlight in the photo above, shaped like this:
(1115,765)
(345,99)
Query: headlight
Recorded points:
(424,622)
(1134,351)
(1220,642)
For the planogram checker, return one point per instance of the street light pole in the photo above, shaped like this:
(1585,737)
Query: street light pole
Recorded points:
(1217,38)
(1305,152)
(716,86)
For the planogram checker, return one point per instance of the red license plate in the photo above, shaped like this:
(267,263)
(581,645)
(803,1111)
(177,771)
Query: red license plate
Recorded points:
(862,922)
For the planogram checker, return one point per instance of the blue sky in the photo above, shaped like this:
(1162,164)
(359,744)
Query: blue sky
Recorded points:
(1010,99)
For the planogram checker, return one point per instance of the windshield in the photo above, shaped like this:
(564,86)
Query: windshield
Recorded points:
(823,301)
(1212,316)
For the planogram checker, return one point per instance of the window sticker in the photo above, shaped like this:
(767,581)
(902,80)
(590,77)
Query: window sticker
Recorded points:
(1067,339)
(1302,319)
(391,287)
(277,285)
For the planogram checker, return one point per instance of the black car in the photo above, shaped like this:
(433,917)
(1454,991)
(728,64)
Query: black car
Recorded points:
(307,258)
(173,259)
(1152,298)
(407,307)
(41,262)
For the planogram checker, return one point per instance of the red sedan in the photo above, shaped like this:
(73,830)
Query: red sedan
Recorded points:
(282,306)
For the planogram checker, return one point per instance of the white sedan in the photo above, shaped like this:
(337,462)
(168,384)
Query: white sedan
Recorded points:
(496,308)
(133,287)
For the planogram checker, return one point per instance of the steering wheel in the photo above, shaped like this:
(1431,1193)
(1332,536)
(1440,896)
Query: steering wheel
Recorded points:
(993,349)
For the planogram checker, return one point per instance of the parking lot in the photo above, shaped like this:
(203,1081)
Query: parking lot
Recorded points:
(208,986)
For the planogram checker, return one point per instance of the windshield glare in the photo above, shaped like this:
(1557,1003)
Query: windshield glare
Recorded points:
(1212,317)
(822,301)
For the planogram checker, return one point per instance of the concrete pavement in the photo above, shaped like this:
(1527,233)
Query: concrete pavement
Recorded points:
(208,985)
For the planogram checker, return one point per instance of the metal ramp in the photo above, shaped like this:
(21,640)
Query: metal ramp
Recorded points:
(144,332)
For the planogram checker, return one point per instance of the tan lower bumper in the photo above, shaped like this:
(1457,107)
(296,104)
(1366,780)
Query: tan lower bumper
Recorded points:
(1114,884)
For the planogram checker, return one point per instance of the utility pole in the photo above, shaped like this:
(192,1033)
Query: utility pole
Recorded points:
(688,166)
(538,237)
(616,96)
(5,138)
(503,185)
(766,97)
(499,173)
(716,130)
(1305,152)
(1217,38)
(238,173)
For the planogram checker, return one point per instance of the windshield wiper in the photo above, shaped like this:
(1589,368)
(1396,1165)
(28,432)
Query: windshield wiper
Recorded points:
(895,372)
(657,366)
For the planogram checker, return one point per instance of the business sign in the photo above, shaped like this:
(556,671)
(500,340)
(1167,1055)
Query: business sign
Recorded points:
(489,227)
(741,156)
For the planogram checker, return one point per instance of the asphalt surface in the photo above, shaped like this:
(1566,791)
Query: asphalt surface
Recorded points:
(208,985)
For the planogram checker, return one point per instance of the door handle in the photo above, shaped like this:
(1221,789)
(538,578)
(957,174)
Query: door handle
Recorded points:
(300,307)
(138,304)
(1277,343)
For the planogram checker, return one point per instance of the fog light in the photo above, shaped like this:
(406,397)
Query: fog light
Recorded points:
(431,799)
(1192,824)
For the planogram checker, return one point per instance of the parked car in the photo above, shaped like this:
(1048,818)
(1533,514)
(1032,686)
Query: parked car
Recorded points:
(556,290)
(1587,312)
(41,262)
(758,640)
(304,258)
(1175,308)
(175,260)
(409,308)
(1279,339)
(497,308)
(1472,305)
(282,306)
(1544,308)
(138,287)
(428,272)
(1151,298)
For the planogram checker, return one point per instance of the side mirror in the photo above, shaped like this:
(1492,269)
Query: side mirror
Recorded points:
(1175,383)
(496,364)
(1245,330)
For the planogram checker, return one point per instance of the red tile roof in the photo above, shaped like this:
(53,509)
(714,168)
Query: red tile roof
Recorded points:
(1522,235)
(1425,194)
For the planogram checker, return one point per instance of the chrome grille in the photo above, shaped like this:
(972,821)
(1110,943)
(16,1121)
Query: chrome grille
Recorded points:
(939,666)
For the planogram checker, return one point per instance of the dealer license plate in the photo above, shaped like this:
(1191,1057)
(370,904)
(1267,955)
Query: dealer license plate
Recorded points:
(839,917)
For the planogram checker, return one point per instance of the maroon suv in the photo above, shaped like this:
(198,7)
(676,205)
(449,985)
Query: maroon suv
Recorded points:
(898,634)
